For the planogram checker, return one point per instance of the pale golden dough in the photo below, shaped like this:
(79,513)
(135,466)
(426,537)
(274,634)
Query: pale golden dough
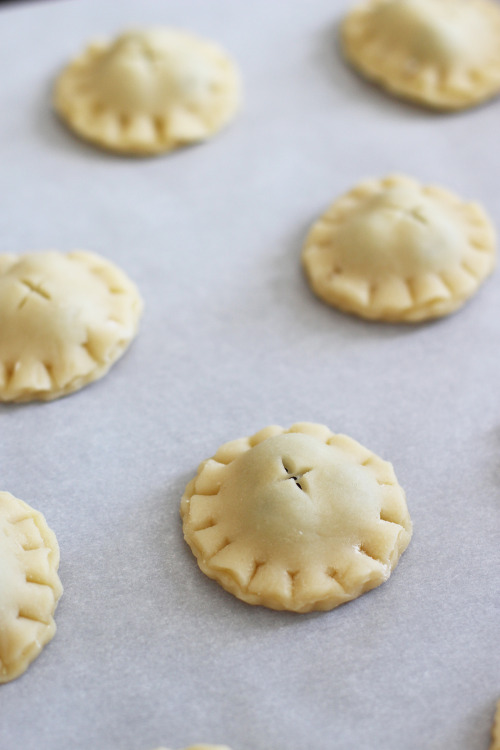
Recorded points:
(148,91)
(64,320)
(495,730)
(395,250)
(443,54)
(29,585)
(297,519)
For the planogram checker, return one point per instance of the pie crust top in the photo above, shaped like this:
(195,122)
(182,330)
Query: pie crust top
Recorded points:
(297,519)
(395,250)
(64,320)
(440,53)
(148,91)
(29,585)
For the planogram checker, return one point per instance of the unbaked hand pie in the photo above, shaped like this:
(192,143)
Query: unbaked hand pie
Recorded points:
(148,91)
(495,731)
(29,585)
(440,53)
(297,519)
(64,320)
(395,250)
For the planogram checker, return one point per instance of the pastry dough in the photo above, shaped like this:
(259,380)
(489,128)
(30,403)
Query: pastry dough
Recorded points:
(395,250)
(64,320)
(440,53)
(29,585)
(495,731)
(297,519)
(148,91)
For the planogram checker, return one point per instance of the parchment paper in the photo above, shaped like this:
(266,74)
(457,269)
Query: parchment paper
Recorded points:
(149,651)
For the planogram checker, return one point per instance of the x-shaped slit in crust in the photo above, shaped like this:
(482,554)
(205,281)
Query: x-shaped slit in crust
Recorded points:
(415,213)
(32,289)
(296,476)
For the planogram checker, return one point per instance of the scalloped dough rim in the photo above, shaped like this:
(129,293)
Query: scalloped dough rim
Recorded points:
(417,314)
(72,387)
(45,634)
(300,606)
(438,100)
(139,148)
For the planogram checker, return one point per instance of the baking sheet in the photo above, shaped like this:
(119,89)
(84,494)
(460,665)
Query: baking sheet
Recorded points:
(148,650)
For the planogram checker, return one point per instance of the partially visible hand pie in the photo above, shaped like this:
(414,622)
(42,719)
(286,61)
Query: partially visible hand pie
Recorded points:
(395,250)
(148,91)
(64,320)
(201,747)
(495,731)
(29,585)
(297,519)
(440,53)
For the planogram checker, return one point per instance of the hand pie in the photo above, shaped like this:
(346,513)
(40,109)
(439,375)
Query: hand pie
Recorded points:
(495,731)
(395,250)
(148,91)
(64,320)
(440,53)
(297,519)
(29,585)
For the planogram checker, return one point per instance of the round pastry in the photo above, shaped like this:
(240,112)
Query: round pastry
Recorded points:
(64,320)
(495,730)
(297,519)
(148,91)
(395,250)
(29,585)
(443,54)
